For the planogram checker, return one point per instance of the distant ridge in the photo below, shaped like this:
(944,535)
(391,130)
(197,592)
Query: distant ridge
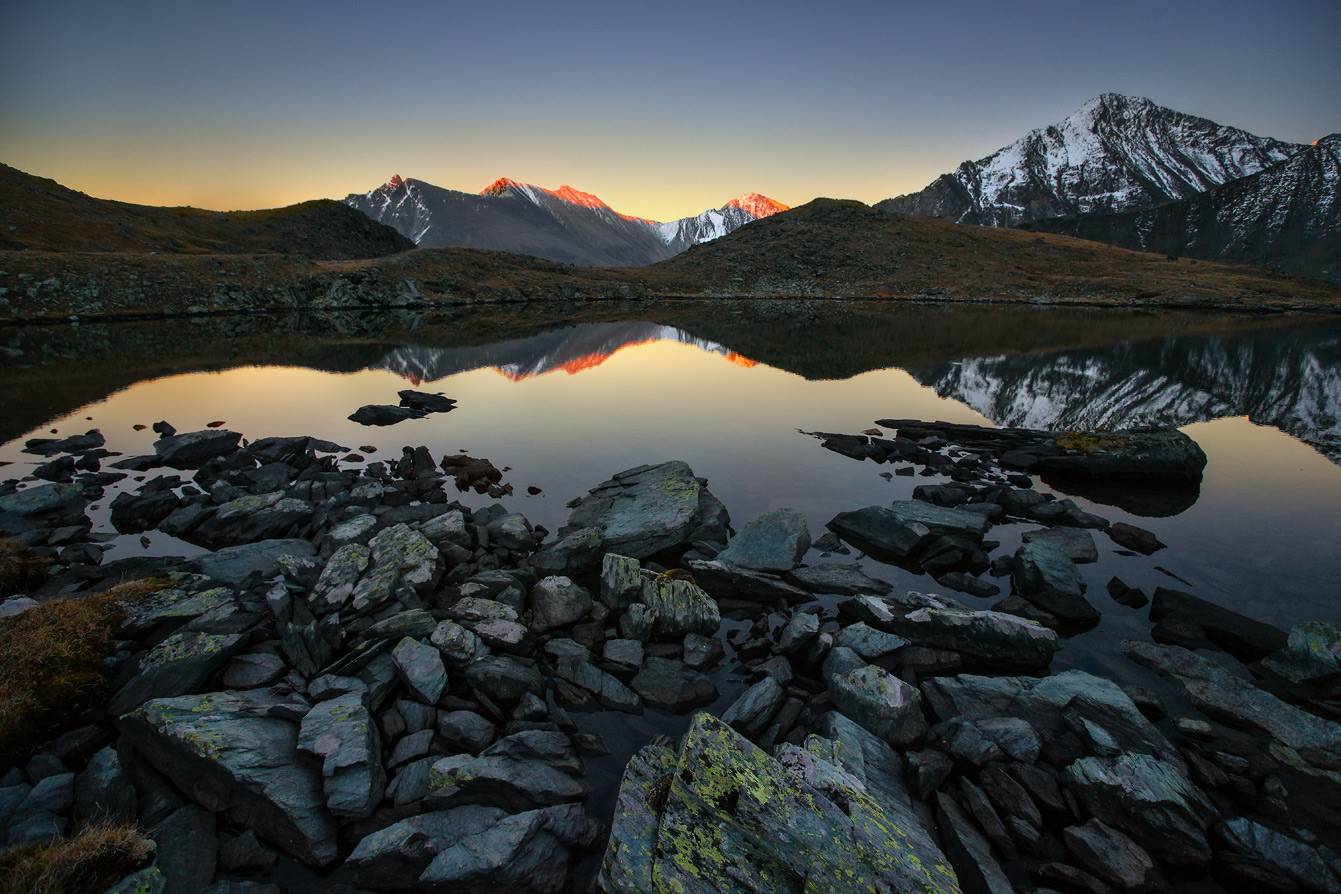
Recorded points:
(565,224)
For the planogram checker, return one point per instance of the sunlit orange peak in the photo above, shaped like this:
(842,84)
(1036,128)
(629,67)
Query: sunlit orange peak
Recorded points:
(395,181)
(740,360)
(759,206)
(498,187)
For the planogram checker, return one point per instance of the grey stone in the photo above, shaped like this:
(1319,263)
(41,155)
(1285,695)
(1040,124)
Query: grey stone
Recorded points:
(450,527)
(234,564)
(1254,854)
(104,791)
(880,702)
(679,607)
(843,580)
(459,647)
(416,623)
(411,747)
(245,853)
(341,733)
(500,780)
(358,529)
(801,629)
(557,602)
(512,532)
(637,622)
(702,652)
(16,605)
(465,731)
(504,679)
(871,645)
(969,853)
(626,652)
(339,578)
(773,541)
(627,866)
(505,636)
(1076,543)
(840,661)
(621,581)
(149,880)
(668,685)
(1112,856)
(44,499)
(189,450)
(756,707)
(188,850)
(401,557)
(254,670)
(1134,538)
(472,609)
(1309,666)
(1014,736)
(410,784)
(179,665)
(227,753)
(986,636)
(744,583)
(420,667)
(609,691)
(252,517)
(53,794)
(1047,577)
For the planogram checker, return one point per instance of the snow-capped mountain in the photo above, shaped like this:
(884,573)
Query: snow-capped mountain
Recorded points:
(1286,217)
(1289,380)
(570,350)
(1116,154)
(565,225)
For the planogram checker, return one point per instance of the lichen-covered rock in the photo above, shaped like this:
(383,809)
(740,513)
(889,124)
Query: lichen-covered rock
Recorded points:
(679,607)
(773,541)
(880,702)
(729,818)
(339,578)
(342,733)
(177,666)
(234,564)
(621,581)
(401,557)
(229,753)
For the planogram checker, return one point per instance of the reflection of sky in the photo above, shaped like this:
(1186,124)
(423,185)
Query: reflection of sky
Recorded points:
(1265,522)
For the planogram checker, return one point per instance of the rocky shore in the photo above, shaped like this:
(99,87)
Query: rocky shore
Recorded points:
(366,681)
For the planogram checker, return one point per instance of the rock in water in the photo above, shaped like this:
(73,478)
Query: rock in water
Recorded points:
(723,816)
(224,751)
(1047,577)
(773,541)
(192,449)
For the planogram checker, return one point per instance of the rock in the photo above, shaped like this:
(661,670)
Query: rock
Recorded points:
(251,518)
(254,670)
(1224,697)
(967,583)
(459,647)
(1078,545)
(730,580)
(1255,856)
(54,794)
(629,856)
(1134,538)
(416,623)
(132,513)
(145,881)
(1126,455)
(1149,799)
(342,734)
(880,702)
(512,532)
(621,581)
(637,623)
(450,527)
(188,850)
(702,652)
(465,731)
(1309,666)
(514,784)
(988,637)
(679,607)
(1048,578)
(968,852)
(104,791)
(473,609)
(420,667)
(401,557)
(1112,856)
(871,645)
(505,636)
(754,710)
(194,448)
(637,513)
(16,605)
(670,686)
(504,679)
(843,580)
(475,850)
(877,531)
(245,853)
(384,414)
(801,629)
(429,403)
(44,499)
(179,665)
(1014,736)
(226,751)
(609,691)
(727,817)
(625,652)
(234,564)
(773,541)
(557,602)
(1185,620)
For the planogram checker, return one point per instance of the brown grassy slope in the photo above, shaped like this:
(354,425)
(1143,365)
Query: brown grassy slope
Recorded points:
(50,217)
(90,862)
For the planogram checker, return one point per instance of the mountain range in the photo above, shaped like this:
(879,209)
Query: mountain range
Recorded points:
(1128,172)
(565,225)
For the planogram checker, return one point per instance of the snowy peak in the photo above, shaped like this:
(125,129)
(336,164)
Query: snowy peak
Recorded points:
(1114,154)
(756,205)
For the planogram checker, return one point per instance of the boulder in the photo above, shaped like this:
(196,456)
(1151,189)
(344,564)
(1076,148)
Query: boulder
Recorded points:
(465,731)
(801,629)
(668,685)
(1192,622)
(773,541)
(1126,455)
(179,665)
(637,513)
(870,644)
(187,849)
(557,602)
(459,646)
(987,637)
(755,709)
(621,581)
(230,753)
(679,607)
(630,853)
(190,450)
(420,667)
(104,791)
(251,518)
(968,851)
(1046,577)
(429,403)
(1137,539)
(843,580)
(400,557)
(504,679)
(1309,666)
(343,735)
(880,702)
(234,564)
(1252,855)
(1112,856)
(609,691)
(1076,543)
(384,414)
(512,783)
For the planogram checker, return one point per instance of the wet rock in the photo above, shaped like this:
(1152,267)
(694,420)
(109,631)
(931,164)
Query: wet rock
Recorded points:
(234,564)
(341,733)
(1185,620)
(773,541)
(384,414)
(1134,538)
(1112,856)
(1046,577)
(880,702)
(191,450)
(668,685)
(132,513)
(755,709)
(882,533)
(44,499)
(967,583)
(1149,799)
(843,580)
(1127,455)
(420,667)
(637,513)
(1125,595)
(429,403)
(985,636)
(179,665)
(1077,544)
(475,850)
(1238,703)
(226,751)
(557,602)
(679,607)
(1251,854)
(621,581)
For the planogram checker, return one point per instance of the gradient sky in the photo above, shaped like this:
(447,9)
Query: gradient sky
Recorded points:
(662,109)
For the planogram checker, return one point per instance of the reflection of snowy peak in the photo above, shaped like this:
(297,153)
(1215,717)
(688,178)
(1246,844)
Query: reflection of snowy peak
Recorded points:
(1291,381)
(1116,153)
(570,350)
(565,224)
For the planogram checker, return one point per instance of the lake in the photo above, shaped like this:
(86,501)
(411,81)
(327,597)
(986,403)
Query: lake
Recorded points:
(566,397)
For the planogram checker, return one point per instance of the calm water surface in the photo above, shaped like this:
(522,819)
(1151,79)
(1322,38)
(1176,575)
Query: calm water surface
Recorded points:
(566,400)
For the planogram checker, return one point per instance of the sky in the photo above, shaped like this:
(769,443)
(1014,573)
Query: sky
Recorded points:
(661,109)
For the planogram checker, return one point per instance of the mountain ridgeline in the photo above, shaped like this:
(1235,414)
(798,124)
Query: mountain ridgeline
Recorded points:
(1125,171)
(564,225)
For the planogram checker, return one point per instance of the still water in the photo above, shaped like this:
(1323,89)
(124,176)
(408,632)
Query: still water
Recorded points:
(564,398)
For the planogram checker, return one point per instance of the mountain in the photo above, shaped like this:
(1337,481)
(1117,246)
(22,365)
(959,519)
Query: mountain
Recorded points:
(1116,154)
(37,214)
(564,225)
(1286,217)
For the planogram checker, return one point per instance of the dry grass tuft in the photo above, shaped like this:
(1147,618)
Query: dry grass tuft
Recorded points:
(20,568)
(51,662)
(90,862)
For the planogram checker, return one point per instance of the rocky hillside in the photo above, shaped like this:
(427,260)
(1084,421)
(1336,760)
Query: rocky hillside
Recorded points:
(37,214)
(1286,217)
(565,225)
(1115,154)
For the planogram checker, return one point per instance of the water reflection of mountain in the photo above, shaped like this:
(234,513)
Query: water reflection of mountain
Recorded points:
(1290,380)
(571,349)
